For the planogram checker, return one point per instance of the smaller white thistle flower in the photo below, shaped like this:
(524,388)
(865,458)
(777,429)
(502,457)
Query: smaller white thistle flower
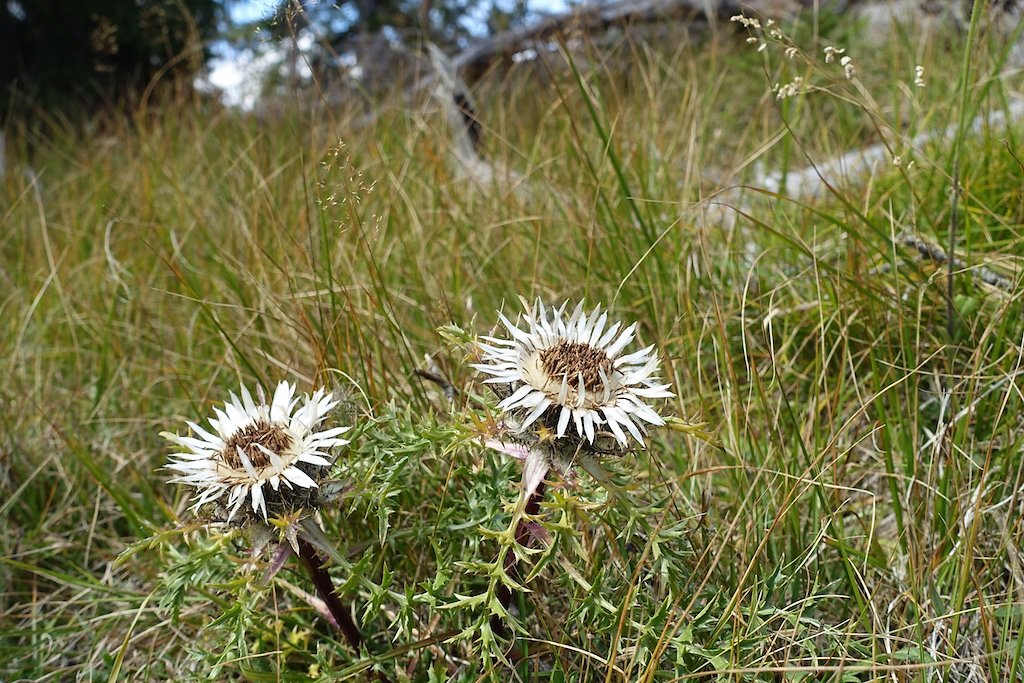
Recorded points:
(257,443)
(919,76)
(564,369)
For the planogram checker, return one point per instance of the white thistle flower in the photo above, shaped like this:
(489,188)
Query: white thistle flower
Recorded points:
(564,369)
(256,443)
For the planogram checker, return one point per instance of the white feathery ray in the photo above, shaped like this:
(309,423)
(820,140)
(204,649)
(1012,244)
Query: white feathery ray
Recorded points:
(616,404)
(204,463)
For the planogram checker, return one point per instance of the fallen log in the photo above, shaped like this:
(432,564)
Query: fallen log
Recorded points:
(820,179)
(597,17)
(591,18)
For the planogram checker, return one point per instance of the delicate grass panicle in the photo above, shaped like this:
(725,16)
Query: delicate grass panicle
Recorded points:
(844,332)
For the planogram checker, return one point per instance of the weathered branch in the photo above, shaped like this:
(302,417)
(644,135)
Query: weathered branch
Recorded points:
(820,179)
(592,18)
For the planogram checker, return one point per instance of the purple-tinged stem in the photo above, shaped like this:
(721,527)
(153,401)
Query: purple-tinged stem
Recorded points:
(325,588)
(523,537)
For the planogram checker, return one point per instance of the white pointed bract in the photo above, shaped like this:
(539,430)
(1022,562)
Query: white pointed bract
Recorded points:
(570,374)
(256,443)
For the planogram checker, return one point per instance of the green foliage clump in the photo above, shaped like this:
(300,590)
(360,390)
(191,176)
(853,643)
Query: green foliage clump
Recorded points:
(93,52)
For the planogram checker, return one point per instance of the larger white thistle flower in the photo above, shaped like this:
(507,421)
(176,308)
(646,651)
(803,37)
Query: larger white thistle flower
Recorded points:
(571,370)
(256,443)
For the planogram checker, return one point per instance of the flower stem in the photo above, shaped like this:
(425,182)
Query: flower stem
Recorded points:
(325,588)
(523,538)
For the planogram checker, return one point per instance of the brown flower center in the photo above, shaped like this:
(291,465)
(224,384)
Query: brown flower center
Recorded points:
(272,437)
(575,359)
